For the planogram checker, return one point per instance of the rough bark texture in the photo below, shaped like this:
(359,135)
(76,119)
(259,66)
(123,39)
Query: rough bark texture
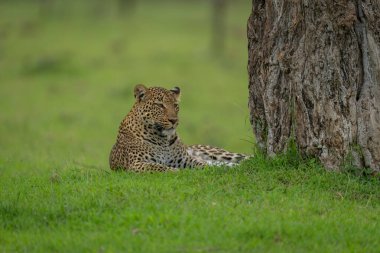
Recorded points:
(314,74)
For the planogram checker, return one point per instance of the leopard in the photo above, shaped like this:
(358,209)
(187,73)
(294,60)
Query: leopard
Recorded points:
(147,139)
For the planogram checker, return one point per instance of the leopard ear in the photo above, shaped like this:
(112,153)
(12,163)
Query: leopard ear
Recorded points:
(140,91)
(177,93)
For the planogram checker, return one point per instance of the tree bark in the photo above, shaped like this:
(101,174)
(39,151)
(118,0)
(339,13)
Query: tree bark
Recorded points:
(314,75)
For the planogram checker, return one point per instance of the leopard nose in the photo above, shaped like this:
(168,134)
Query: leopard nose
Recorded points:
(173,120)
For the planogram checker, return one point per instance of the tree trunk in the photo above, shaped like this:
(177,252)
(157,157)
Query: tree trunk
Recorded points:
(314,75)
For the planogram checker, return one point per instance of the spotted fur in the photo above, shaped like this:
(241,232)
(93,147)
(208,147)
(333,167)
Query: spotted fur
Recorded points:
(147,138)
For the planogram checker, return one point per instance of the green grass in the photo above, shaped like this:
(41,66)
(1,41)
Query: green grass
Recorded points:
(66,82)
(264,205)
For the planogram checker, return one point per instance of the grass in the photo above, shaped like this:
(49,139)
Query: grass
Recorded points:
(66,81)
(264,205)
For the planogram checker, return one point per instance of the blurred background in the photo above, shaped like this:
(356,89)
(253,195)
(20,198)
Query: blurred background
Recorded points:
(68,68)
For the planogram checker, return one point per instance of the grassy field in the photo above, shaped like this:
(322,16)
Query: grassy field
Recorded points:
(66,80)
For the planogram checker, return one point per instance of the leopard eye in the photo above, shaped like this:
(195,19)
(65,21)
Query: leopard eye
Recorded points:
(161,105)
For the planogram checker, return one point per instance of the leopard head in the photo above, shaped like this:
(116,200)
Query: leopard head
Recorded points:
(158,108)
